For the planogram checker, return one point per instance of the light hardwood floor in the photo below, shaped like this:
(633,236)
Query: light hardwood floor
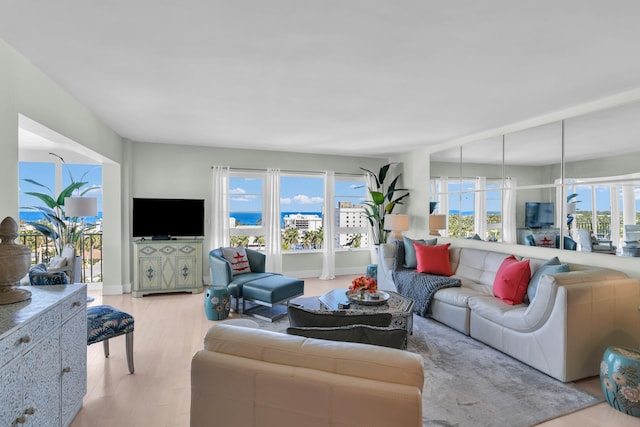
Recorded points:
(169,329)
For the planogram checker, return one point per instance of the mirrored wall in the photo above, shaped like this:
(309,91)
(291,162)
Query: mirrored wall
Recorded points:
(573,185)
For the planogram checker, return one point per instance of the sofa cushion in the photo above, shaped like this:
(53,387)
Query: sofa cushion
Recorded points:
(499,312)
(410,260)
(551,266)
(477,265)
(458,296)
(511,280)
(433,259)
(237,257)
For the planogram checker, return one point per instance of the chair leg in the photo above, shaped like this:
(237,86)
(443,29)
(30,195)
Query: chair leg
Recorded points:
(105,346)
(129,347)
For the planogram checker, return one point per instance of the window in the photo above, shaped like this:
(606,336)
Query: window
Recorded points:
(351,225)
(246,210)
(301,203)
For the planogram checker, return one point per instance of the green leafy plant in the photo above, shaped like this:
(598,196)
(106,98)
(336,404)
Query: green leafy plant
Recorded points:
(383,200)
(57,226)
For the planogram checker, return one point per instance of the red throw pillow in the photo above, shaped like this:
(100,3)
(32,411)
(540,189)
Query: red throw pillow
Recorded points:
(433,259)
(512,279)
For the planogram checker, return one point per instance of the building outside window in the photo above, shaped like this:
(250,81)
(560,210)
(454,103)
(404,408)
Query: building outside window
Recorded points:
(351,224)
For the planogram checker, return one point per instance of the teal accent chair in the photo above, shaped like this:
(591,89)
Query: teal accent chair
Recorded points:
(221,274)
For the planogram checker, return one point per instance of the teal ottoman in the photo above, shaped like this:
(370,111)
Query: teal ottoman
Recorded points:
(268,292)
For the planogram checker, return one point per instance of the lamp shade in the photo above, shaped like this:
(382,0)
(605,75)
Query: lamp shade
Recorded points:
(571,208)
(81,206)
(396,222)
(437,222)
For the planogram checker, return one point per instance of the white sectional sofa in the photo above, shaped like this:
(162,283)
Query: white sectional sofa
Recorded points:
(563,332)
(253,377)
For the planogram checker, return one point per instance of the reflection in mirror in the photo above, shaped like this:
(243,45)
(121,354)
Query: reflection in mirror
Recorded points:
(594,187)
(532,159)
(445,168)
(481,210)
(602,164)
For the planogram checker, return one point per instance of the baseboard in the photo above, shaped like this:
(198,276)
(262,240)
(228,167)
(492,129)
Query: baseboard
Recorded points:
(302,274)
(112,289)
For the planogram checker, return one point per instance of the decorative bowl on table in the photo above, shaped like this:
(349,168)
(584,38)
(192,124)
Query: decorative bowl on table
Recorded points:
(367,298)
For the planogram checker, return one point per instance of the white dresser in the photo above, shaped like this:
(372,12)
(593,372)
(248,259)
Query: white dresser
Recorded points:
(43,357)
(167,266)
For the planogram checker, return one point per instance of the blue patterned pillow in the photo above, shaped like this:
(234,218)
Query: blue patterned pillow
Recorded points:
(39,276)
(410,260)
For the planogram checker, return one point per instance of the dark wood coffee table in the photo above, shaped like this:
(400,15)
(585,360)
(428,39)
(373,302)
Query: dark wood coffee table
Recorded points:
(400,307)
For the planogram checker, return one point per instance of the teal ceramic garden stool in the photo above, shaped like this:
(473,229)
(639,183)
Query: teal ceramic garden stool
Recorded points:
(372,271)
(217,303)
(619,377)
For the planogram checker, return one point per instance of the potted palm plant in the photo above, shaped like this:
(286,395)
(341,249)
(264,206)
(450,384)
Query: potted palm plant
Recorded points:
(384,198)
(57,226)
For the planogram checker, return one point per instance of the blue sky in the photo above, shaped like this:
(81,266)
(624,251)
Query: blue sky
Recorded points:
(44,173)
(297,194)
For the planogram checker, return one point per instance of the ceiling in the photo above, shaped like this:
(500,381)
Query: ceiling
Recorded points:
(346,77)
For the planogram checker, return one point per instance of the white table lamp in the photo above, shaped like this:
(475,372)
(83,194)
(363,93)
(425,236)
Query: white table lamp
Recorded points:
(396,223)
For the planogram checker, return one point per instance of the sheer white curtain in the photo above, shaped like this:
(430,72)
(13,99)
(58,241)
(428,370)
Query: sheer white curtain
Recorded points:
(328,226)
(615,214)
(480,207)
(509,214)
(272,221)
(219,234)
(443,201)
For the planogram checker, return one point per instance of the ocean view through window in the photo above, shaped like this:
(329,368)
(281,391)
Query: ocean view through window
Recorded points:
(301,211)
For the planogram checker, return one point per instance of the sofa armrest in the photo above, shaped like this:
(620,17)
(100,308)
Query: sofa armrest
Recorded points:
(386,261)
(574,282)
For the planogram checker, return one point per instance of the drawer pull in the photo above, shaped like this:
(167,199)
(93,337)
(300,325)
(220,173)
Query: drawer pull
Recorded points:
(20,420)
(66,369)
(30,410)
(25,339)
(76,304)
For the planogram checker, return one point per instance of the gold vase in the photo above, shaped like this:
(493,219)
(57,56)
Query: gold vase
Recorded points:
(15,260)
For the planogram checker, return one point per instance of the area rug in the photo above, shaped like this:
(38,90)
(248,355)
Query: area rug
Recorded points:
(470,384)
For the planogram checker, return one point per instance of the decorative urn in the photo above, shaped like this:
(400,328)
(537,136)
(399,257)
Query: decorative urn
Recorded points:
(15,260)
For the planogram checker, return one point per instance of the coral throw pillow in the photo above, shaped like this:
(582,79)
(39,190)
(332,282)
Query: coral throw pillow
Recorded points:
(512,279)
(237,257)
(433,259)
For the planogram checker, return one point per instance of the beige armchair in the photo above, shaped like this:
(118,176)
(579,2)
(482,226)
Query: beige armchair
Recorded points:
(65,262)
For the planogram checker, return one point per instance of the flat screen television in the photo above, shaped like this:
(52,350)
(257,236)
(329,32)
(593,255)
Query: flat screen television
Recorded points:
(539,214)
(167,218)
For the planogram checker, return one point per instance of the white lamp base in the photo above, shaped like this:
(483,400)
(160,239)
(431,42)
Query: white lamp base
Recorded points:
(393,236)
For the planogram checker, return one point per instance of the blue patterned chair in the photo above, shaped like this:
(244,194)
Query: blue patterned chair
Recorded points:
(105,322)
(39,275)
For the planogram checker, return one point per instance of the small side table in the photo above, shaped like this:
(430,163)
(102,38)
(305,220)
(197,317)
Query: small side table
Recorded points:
(619,378)
(217,303)
(372,271)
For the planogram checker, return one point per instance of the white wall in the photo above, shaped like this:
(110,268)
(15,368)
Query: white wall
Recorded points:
(180,171)
(25,90)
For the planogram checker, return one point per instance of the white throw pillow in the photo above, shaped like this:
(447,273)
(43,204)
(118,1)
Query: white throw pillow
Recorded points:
(237,257)
(57,262)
